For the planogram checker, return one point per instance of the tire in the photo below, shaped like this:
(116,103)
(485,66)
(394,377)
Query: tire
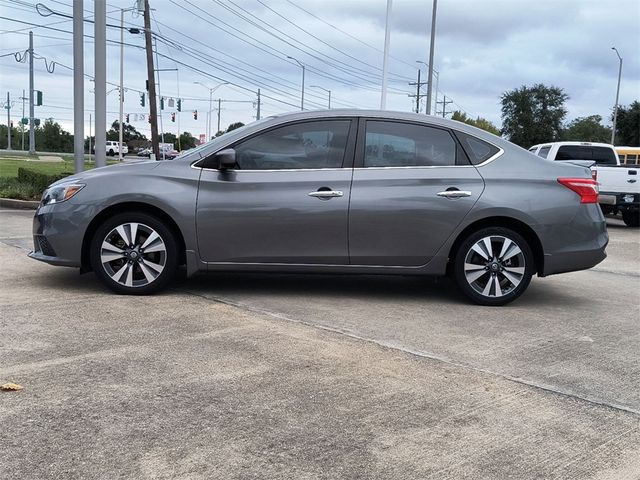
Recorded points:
(111,153)
(144,269)
(631,218)
(512,265)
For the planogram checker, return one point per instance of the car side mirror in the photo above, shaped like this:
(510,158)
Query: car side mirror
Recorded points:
(223,160)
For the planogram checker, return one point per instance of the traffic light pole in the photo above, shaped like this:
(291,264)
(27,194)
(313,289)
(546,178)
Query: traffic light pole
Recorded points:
(153,107)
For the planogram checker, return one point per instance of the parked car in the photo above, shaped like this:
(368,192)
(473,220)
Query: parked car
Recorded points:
(113,148)
(145,152)
(337,191)
(619,184)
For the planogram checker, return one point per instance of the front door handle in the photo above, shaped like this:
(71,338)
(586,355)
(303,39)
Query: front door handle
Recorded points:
(326,194)
(454,194)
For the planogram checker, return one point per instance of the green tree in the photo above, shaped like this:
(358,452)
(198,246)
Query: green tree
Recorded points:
(532,115)
(587,129)
(479,122)
(169,138)
(628,125)
(233,126)
(129,133)
(51,137)
(187,141)
(16,138)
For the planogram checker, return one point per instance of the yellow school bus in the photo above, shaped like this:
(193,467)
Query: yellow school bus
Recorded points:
(628,155)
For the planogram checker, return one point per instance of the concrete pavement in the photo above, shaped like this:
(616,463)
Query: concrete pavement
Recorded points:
(254,376)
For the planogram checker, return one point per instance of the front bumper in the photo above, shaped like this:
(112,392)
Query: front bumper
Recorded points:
(58,233)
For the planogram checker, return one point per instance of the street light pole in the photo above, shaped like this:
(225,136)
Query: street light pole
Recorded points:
(303,70)
(431,49)
(326,90)
(120,133)
(211,90)
(615,108)
(385,58)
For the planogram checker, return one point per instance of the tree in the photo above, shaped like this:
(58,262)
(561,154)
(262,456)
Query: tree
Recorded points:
(51,137)
(628,125)
(532,115)
(187,141)
(587,129)
(233,126)
(169,138)
(479,122)
(129,133)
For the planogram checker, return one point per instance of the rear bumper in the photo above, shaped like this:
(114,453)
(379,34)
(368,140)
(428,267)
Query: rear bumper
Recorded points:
(581,243)
(620,201)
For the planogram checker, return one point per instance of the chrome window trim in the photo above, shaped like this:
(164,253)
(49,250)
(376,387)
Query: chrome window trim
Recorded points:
(275,169)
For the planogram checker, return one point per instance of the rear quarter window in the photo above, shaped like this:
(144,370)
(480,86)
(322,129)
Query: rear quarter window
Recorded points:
(477,150)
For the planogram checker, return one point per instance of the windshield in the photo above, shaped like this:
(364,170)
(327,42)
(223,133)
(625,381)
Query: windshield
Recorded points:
(601,155)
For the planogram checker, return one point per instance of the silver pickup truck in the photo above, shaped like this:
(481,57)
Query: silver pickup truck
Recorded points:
(619,184)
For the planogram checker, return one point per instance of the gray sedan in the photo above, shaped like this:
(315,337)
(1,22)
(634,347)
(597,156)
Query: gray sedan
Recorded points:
(339,191)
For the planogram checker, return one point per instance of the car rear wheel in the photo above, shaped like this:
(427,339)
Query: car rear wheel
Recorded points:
(134,253)
(493,266)
(630,218)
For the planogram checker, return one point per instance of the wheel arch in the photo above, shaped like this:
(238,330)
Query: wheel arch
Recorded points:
(507,222)
(129,207)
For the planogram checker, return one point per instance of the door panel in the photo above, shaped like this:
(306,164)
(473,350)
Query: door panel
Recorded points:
(286,202)
(270,216)
(402,215)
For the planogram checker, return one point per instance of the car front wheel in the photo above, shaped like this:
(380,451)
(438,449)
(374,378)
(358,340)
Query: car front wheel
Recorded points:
(493,266)
(134,253)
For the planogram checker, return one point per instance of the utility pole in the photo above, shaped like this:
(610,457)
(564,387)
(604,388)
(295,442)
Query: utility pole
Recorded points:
(258,108)
(417,95)
(431,49)
(121,102)
(100,50)
(385,58)
(32,133)
(444,103)
(209,114)
(90,120)
(153,108)
(23,98)
(78,87)
(615,108)
(8,107)
(219,108)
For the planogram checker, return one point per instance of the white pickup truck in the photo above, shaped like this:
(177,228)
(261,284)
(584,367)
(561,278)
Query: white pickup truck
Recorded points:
(619,184)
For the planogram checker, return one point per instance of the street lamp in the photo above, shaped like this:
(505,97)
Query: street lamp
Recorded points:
(437,74)
(211,90)
(303,69)
(615,108)
(326,90)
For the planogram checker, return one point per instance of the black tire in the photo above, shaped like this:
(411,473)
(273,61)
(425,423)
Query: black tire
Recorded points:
(111,153)
(519,266)
(146,276)
(631,218)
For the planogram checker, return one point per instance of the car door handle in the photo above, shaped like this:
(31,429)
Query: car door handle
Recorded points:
(454,194)
(326,194)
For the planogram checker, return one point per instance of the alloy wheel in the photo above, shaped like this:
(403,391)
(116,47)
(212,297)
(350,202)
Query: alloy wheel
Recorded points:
(133,254)
(494,266)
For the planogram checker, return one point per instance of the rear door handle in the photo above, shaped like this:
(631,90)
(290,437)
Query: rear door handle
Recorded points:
(454,194)
(326,194)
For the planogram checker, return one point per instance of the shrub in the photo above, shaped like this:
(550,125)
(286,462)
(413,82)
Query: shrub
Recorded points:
(39,181)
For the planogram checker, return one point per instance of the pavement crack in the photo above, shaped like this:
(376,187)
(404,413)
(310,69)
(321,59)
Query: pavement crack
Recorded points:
(421,354)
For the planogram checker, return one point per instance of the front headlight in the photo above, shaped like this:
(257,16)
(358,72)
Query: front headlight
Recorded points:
(60,193)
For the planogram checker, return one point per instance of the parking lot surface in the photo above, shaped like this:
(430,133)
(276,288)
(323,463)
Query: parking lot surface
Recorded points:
(290,376)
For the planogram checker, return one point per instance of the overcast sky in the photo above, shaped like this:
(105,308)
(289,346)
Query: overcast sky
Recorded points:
(482,49)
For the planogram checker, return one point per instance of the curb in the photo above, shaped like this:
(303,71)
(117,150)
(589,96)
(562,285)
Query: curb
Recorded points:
(19,204)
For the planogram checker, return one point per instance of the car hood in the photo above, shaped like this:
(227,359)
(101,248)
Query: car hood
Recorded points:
(126,168)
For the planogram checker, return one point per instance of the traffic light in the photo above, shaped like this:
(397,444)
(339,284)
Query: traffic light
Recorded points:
(195,114)
(161,103)
(127,118)
(173,117)
(38,98)
(179,106)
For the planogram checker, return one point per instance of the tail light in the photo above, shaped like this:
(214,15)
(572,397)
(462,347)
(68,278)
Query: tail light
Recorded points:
(587,188)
